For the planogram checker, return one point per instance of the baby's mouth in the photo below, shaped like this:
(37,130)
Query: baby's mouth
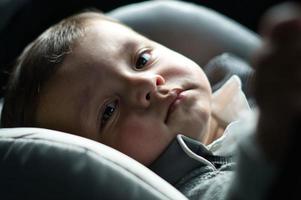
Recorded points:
(175,100)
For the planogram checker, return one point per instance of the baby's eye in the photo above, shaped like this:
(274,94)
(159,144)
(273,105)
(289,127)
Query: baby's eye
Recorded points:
(143,59)
(108,112)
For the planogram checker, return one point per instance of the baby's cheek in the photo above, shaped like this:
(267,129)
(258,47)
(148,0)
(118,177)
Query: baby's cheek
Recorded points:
(141,140)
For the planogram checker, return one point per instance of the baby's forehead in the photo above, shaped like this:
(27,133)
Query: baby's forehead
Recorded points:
(107,26)
(106,41)
(104,23)
(108,36)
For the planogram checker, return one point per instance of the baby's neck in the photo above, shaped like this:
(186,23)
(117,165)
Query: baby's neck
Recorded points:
(216,130)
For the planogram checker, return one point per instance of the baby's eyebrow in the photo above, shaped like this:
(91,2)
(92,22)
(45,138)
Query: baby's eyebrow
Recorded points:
(130,46)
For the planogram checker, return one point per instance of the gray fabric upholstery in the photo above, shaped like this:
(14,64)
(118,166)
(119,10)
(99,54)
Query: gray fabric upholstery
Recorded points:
(44,164)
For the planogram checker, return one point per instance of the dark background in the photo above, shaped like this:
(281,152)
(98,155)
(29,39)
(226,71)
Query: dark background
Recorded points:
(23,20)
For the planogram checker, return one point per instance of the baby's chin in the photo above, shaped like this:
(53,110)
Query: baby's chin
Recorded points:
(200,129)
(197,132)
(193,121)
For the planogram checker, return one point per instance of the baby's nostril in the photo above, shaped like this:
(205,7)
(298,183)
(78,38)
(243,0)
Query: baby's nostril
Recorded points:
(148,96)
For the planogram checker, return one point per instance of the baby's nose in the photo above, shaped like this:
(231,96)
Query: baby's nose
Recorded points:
(144,89)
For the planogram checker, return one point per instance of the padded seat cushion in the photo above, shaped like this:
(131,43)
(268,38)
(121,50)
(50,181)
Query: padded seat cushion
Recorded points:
(44,164)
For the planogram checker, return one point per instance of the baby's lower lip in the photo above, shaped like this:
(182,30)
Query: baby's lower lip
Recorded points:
(174,105)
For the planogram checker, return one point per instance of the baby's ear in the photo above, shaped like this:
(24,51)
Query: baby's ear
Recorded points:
(222,67)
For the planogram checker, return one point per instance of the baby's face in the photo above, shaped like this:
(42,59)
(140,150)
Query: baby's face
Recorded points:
(124,90)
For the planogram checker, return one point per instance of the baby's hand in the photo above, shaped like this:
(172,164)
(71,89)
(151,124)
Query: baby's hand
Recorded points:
(277,87)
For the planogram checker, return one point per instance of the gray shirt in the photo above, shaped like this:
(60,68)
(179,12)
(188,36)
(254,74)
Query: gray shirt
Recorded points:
(194,170)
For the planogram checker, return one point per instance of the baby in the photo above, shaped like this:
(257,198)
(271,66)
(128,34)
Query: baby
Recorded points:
(84,77)
(91,76)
